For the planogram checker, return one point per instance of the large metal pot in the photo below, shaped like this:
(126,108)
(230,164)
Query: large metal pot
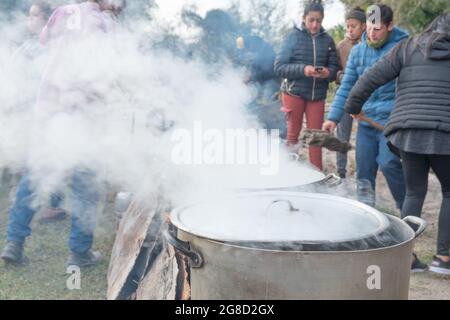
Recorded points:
(239,265)
(291,176)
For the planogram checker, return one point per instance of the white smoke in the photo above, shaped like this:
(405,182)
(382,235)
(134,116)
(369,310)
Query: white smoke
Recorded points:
(109,118)
(116,117)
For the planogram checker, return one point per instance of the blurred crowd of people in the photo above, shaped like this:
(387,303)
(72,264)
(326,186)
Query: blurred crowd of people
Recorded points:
(399,82)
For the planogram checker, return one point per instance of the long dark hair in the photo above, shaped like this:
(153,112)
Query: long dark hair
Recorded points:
(438,30)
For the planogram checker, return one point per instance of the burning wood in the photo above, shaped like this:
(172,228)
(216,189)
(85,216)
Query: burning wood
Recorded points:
(143,266)
(129,241)
(321,138)
(167,279)
(160,283)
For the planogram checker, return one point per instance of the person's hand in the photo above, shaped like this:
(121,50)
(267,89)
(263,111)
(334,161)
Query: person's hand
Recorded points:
(357,116)
(339,77)
(329,126)
(324,73)
(310,71)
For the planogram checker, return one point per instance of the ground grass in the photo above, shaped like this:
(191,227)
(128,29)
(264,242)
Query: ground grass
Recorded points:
(45,276)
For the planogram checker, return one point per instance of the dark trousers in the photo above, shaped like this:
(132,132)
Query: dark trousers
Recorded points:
(416,168)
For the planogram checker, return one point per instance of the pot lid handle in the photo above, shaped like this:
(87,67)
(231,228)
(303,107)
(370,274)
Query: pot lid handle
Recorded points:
(291,206)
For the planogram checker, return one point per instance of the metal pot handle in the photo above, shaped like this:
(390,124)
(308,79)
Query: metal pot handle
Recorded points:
(332,180)
(416,221)
(195,258)
(291,206)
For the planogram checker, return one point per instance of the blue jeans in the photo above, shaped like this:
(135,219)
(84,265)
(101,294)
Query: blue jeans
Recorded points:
(56,199)
(85,198)
(343,132)
(372,152)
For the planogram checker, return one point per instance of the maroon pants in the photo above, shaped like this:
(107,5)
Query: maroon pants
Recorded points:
(295,108)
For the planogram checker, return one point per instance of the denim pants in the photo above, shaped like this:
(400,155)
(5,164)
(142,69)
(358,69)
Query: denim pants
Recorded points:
(372,152)
(343,132)
(85,197)
(56,199)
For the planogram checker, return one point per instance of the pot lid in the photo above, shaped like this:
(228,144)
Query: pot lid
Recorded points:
(280,217)
(288,175)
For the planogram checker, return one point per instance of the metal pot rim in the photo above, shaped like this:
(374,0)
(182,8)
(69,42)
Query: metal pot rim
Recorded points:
(411,237)
(331,180)
(381,217)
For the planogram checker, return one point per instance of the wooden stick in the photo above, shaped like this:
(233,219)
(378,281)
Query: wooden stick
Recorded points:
(374,124)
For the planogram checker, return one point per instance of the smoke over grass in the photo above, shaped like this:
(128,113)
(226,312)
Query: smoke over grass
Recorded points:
(113,112)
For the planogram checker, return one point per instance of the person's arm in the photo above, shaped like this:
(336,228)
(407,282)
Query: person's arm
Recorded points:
(384,71)
(340,72)
(261,66)
(46,33)
(262,72)
(350,77)
(283,67)
(333,63)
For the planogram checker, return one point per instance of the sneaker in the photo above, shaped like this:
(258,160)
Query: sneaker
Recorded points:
(52,215)
(82,260)
(417,265)
(13,253)
(439,266)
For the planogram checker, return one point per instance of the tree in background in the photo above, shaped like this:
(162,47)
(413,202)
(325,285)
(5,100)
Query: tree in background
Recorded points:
(267,20)
(264,18)
(337,32)
(140,8)
(7,7)
(413,15)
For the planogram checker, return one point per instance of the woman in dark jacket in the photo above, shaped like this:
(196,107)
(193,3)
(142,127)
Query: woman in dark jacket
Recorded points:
(419,126)
(308,63)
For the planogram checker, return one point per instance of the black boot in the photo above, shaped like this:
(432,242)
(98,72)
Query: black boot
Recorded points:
(417,265)
(87,259)
(13,253)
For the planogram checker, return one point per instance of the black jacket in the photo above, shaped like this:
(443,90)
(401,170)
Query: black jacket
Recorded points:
(300,49)
(423,88)
(258,56)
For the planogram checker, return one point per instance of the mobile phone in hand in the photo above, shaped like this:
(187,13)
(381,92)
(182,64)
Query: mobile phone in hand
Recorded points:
(319,69)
